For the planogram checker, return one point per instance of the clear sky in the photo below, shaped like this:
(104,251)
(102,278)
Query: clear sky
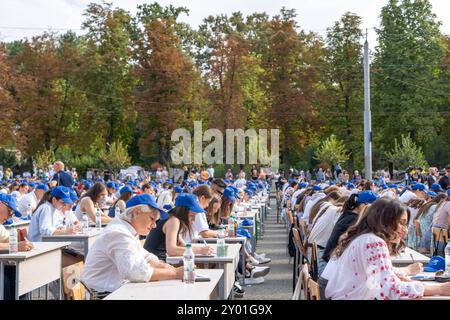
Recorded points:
(25,18)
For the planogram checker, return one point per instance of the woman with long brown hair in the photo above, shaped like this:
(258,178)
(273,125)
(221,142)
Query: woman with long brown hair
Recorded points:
(90,202)
(171,235)
(361,266)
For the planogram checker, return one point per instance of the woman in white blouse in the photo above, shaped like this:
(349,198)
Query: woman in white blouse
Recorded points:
(361,266)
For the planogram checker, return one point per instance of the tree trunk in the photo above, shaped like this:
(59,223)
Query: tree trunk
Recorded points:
(349,135)
(286,153)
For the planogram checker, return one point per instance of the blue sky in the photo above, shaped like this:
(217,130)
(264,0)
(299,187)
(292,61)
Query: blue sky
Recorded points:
(25,18)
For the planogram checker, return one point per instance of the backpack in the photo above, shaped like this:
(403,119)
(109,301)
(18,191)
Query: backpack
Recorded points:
(291,245)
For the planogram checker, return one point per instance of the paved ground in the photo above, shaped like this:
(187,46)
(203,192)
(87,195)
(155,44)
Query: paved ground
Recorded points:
(278,283)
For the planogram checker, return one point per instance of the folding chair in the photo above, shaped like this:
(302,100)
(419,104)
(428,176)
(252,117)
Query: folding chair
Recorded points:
(74,288)
(313,289)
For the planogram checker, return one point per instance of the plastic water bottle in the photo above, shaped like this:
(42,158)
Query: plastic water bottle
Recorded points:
(29,211)
(231,230)
(188,265)
(98,219)
(13,241)
(117,211)
(85,223)
(447,258)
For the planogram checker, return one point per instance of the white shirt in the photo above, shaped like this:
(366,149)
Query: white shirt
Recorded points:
(240,183)
(365,272)
(164,198)
(314,199)
(44,222)
(29,199)
(115,257)
(408,195)
(200,224)
(17,195)
(211,172)
(294,197)
(323,226)
(4,234)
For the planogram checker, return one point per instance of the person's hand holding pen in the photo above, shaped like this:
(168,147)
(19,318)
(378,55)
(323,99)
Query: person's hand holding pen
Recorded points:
(25,245)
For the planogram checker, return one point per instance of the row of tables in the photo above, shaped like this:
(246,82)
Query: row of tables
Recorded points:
(42,265)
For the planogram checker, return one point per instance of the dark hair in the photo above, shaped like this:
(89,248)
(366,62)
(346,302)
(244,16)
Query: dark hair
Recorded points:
(95,191)
(351,203)
(308,192)
(146,186)
(423,210)
(23,185)
(225,207)
(316,207)
(220,183)
(124,197)
(203,191)
(213,217)
(182,214)
(368,185)
(415,203)
(13,186)
(380,218)
(45,198)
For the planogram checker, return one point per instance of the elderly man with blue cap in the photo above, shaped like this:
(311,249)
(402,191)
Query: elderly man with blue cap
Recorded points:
(117,256)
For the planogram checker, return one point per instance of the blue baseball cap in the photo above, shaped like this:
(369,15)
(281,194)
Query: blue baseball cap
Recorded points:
(432,194)
(384,186)
(178,189)
(168,207)
(448,192)
(303,185)
(41,186)
(126,189)
(100,180)
(229,193)
(437,186)
(31,184)
(249,192)
(236,192)
(62,193)
(189,201)
(367,197)
(72,193)
(111,184)
(317,188)
(243,233)
(88,184)
(144,199)
(11,202)
(436,263)
(419,186)
(169,181)
(351,185)
(392,186)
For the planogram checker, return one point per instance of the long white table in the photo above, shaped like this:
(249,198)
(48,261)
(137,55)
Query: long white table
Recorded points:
(172,289)
(409,256)
(35,268)
(240,240)
(228,264)
(86,239)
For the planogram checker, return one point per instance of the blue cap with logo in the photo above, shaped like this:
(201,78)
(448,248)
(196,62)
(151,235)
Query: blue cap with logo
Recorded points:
(367,197)
(144,199)
(41,186)
(72,193)
(178,189)
(88,184)
(303,185)
(111,184)
(229,193)
(436,263)
(190,201)
(62,193)
(11,202)
(419,186)
(437,186)
(432,194)
(317,188)
(126,189)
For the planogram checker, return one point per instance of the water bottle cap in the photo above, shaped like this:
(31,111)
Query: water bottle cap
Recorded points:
(188,245)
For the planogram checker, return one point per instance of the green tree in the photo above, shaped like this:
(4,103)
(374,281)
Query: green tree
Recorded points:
(406,154)
(408,91)
(331,151)
(116,158)
(344,81)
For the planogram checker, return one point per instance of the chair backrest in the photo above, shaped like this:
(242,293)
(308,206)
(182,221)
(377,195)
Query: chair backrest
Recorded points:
(304,278)
(290,217)
(314,262)
(418,228)
(71,280)
(142,242)
(304,228)
(299,242)
(313,289)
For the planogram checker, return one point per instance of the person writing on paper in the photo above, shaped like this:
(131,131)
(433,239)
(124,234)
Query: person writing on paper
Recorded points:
(171,235)
(118,256)
(48,217)
(90,202)
(31,200)
(361,265)
(8,209)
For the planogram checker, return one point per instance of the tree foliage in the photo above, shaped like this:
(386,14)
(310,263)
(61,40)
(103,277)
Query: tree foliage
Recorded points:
(331,151)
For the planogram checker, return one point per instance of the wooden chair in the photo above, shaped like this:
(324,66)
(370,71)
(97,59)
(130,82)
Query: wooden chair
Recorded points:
(441,235)
(304,228)
(314,262)
(313,289)
(304,278)
(142,242)
(74,288)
